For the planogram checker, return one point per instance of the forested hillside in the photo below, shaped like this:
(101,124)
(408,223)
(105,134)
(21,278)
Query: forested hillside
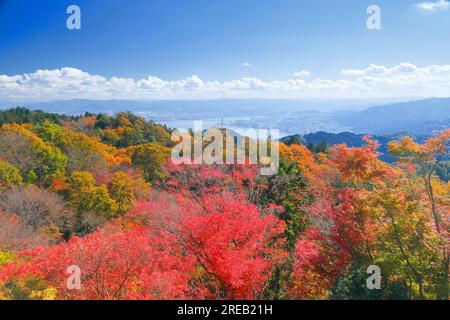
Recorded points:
(100,192)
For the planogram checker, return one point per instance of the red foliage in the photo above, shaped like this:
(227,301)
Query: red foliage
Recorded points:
(229,238)
(208,243)
(115,264)
(202,179)
(324,252)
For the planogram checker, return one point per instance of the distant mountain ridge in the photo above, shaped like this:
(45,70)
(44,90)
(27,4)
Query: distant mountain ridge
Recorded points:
(413,117)
(419,117)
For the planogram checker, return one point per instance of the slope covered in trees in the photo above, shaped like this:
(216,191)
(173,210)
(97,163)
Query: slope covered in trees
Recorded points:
(99,192)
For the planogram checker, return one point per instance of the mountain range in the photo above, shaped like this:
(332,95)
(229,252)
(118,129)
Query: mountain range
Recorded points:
(417,117)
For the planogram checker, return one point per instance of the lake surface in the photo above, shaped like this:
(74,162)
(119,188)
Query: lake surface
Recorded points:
(183,125)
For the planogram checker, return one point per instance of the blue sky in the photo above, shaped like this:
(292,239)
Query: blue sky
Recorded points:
(218,41)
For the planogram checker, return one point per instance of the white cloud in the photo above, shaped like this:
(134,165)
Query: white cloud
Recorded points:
(246,64)
(374,70)
(434,6)
(375,81)
(301,74)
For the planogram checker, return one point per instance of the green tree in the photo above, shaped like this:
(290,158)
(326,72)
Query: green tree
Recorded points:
(121,190)
(352,285)
(6,256)
(443,171)
(21,115)
(83,152)
(287,189)
(151,159)
(87,197)
(36,160)
(9,175)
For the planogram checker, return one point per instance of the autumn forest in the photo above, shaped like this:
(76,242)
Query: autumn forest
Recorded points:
(99,192)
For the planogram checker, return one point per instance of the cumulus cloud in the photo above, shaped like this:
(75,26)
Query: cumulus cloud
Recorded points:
(374,70)
(246,64)
(434,6)
(375,81)
(301,74)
